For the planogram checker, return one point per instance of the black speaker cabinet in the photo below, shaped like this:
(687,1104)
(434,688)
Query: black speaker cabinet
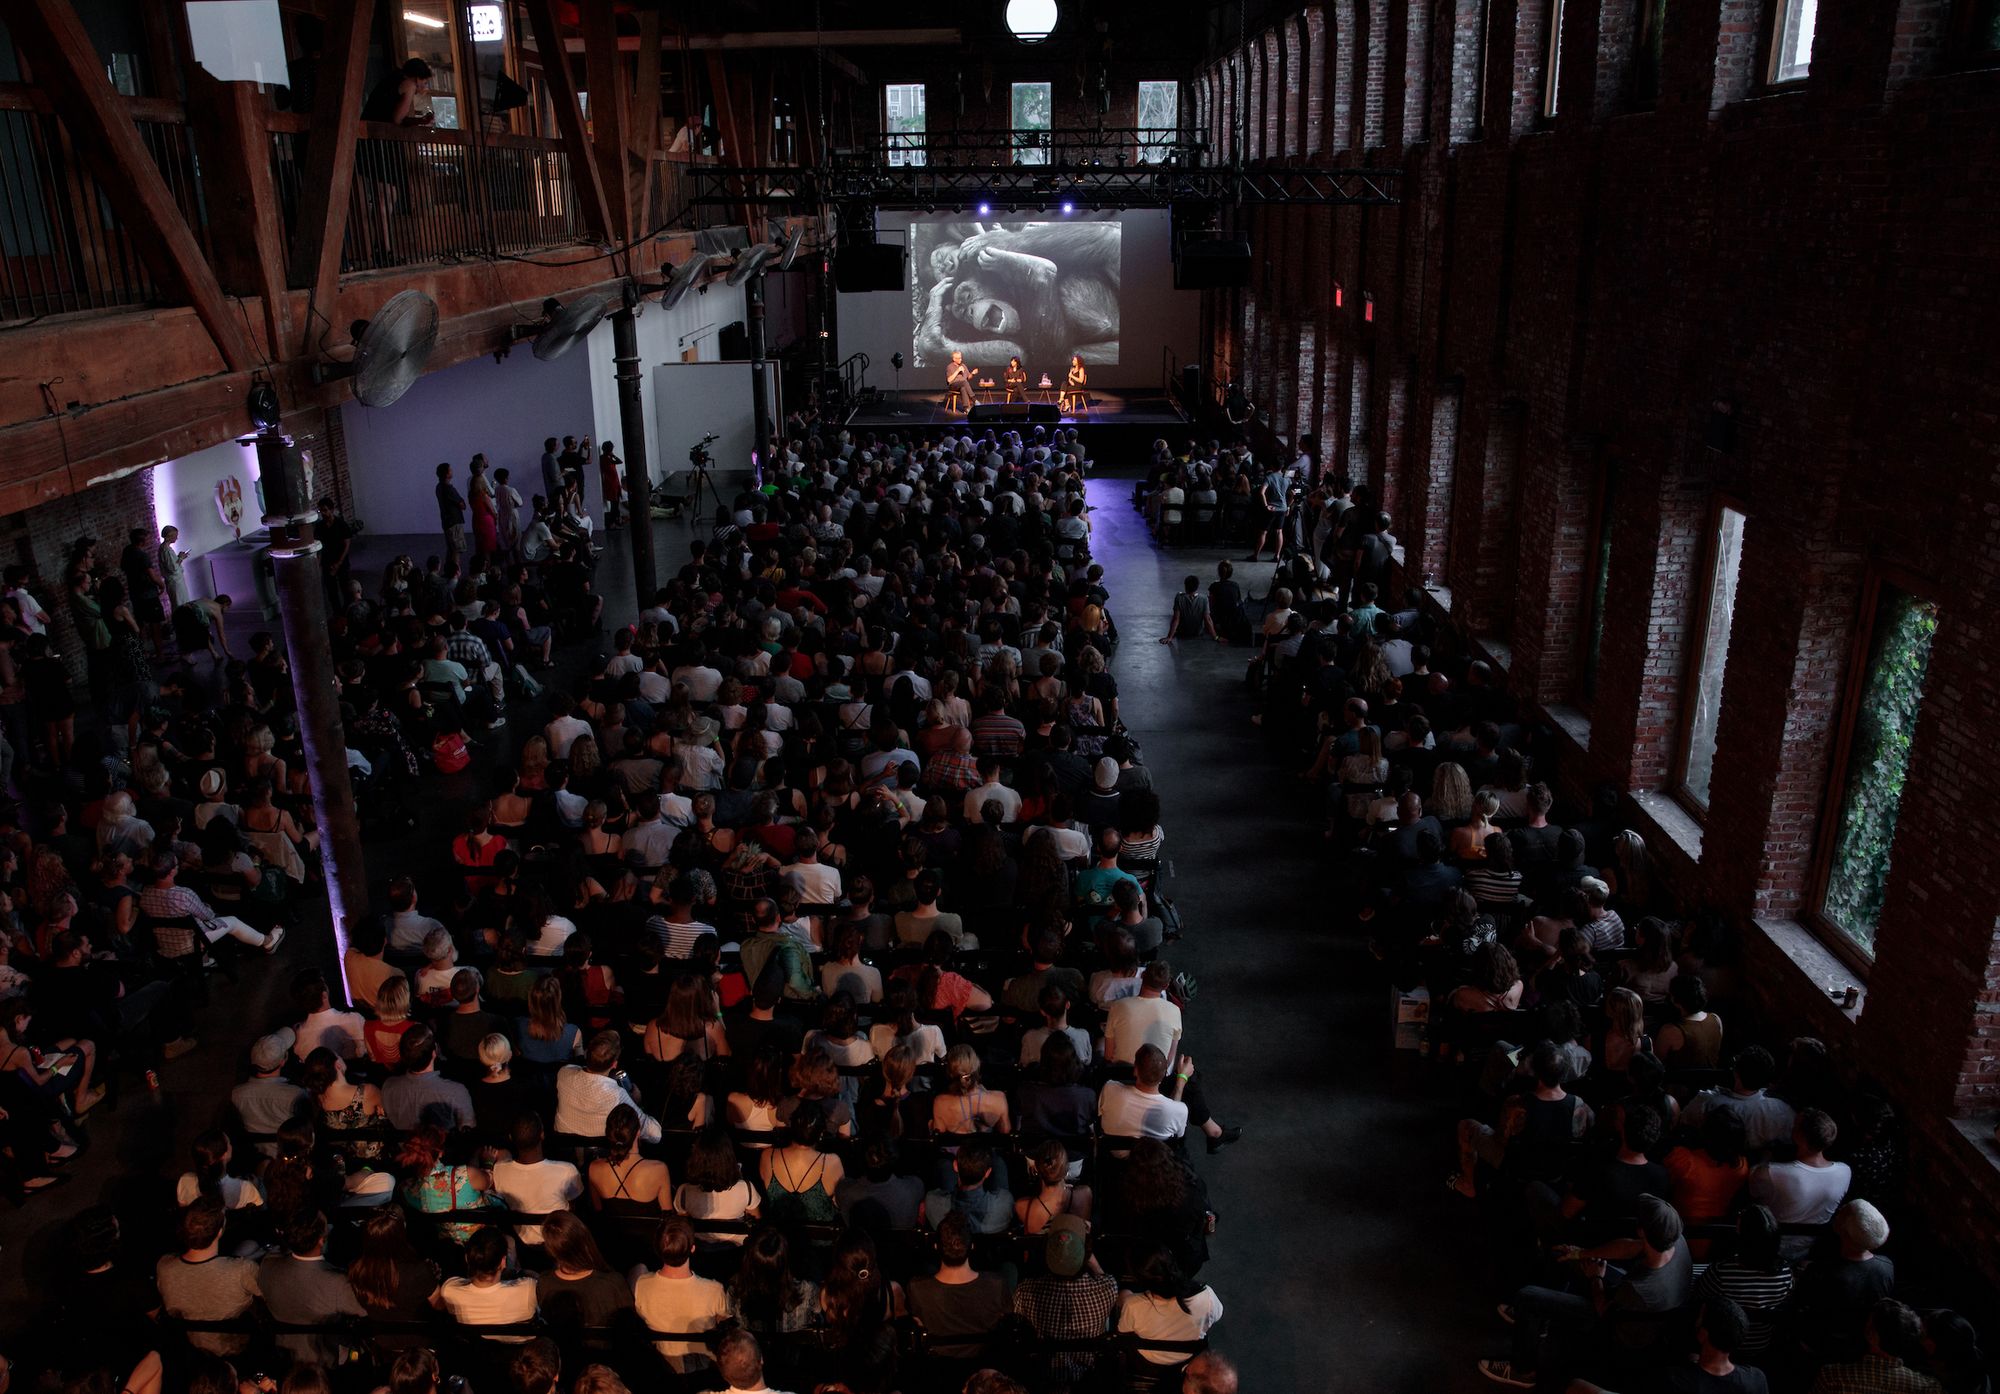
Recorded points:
(1036,413)
(868,266)
(1212,263)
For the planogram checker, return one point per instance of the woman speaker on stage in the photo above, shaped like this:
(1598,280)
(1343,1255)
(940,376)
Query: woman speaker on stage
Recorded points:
(1016,378)
(1071,397)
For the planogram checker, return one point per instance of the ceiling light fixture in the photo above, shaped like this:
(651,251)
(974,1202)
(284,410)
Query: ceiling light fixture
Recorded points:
(1031,21)
(422,21)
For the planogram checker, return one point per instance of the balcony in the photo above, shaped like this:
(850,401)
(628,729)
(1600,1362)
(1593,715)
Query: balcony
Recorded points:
(420,197)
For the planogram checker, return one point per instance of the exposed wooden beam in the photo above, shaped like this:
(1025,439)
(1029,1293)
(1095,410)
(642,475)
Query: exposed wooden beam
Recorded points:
(321,230)
(49,35)
(645,118)
(802,38)
(245,227)
(604,75)
(569,119)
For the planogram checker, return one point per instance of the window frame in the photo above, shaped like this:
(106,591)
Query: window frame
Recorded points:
(1964,52)
(1603,505)
(1774,42)
(1043,147)
(1853,686)
(1692,662)
(904,156)
(1551,98)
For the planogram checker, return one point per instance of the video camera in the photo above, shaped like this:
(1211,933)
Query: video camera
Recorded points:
(698,455)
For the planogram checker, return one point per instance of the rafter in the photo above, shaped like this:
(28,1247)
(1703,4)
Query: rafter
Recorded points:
(329,181)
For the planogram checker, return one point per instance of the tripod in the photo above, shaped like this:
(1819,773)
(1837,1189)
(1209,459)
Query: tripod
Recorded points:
(700,484)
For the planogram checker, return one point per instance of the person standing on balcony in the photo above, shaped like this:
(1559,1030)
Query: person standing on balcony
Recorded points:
(399,97)
(451,516)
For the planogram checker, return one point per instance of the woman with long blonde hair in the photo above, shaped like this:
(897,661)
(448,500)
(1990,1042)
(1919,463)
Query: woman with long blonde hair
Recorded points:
(1451,793)
(1624,1030)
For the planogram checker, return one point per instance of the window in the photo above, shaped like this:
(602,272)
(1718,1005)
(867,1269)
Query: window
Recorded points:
(1872,760)
(1711,654)
(903,122)
(1552,69)
(1979,27)
(1792,39)
(1033,105)
(427,34)
(1159,120)
(1643,88)
(1598,561)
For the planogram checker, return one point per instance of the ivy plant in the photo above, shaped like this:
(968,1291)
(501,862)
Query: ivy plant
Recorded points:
(1878,763)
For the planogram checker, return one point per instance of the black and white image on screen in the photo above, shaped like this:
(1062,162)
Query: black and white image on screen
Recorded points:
(1039,291)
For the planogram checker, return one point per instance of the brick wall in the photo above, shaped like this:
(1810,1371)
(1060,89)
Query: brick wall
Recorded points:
(1556,300)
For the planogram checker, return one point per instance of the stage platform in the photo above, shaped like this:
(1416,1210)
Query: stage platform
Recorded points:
(1107,406)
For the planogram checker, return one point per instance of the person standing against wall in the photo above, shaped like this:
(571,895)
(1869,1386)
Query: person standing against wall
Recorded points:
(451,516)
(173,567)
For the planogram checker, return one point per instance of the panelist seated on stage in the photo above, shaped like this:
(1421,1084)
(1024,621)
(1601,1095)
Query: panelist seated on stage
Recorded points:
(958,378)
(1073,385)
(1017,380)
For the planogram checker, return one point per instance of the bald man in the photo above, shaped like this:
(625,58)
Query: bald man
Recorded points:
(1208,1373)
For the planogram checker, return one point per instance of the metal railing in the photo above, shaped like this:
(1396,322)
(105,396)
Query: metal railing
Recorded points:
(62,246)
(423,195)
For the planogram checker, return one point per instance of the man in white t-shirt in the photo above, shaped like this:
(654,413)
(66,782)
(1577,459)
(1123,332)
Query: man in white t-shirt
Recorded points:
(1148,1019)
(323,1023)
(531,1184)
(816,884)
(702,681)
(489,1296)
(1806,1191)
(1140,1109)
(674,1299)
(564,728)
(992,788)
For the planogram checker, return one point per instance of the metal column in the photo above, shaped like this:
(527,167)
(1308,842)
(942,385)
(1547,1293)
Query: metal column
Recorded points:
(638,476)
(760,387)
(295,565)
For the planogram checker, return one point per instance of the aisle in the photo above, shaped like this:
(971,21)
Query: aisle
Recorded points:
(1335,1256)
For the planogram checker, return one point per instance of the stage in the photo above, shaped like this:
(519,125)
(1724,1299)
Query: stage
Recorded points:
(1104,406)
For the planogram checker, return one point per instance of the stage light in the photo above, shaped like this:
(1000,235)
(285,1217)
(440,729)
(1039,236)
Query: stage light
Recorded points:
(1031,21)
(1069,208)
(985,209)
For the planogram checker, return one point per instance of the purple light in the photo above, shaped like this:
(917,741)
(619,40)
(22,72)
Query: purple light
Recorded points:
(1069,208)
(984,209)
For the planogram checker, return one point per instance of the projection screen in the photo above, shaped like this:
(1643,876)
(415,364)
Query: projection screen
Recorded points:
(1035,289)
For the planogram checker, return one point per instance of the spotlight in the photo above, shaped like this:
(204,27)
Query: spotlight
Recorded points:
(1069,207)
(985,209)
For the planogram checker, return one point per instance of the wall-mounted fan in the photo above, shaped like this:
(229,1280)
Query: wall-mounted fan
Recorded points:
(791,252)
(569,325)
(750,262)
(390,350)
(682,279)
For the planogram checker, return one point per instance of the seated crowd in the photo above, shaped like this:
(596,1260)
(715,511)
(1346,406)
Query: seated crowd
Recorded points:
(789,1012)
(1665,1204)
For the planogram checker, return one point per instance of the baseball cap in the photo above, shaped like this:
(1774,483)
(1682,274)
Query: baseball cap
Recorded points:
(1106,774)
(270,1051)
(1066,1249)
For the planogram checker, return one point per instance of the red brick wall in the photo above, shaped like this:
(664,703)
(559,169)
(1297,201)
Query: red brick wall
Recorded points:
(1555,300)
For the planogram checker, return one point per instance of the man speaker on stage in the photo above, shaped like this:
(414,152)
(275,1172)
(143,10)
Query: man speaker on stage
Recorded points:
(958,377)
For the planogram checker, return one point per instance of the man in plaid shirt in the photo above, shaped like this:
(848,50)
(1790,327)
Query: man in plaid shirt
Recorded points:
(953,770)
(469,651)
(1072,1301)
(164,900)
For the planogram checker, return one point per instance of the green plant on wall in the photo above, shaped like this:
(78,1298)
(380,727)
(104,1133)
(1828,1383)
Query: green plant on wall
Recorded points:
(1878,762)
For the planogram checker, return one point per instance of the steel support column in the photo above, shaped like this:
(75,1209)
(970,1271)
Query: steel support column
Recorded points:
(638,475)
(295,563)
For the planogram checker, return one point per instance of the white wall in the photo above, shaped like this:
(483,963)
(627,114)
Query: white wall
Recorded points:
(663,335)
(1152,313)
(505,409)
(184,495)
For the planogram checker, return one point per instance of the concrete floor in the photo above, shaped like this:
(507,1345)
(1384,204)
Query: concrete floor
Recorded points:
(1335,1253)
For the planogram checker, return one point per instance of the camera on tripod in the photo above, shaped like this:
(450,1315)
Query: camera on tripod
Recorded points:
(698,455)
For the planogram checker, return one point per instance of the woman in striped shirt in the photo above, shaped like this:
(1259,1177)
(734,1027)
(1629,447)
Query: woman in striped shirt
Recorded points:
(1494,882)
(1754,1277)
